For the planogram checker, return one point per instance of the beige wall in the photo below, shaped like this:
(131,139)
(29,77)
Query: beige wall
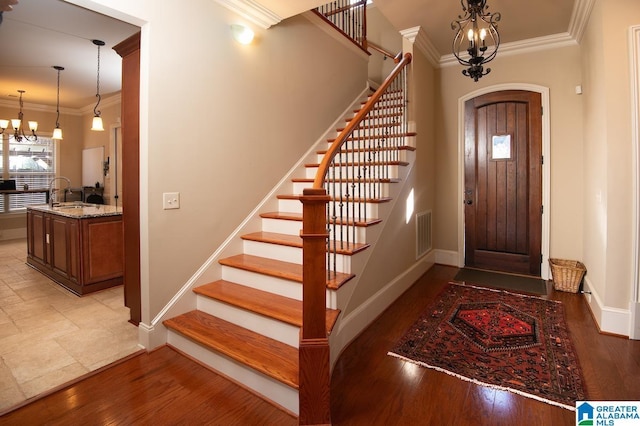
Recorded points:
(382,33)
(608,185)
(564,158)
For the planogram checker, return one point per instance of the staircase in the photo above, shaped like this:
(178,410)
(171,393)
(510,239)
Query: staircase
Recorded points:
(247,325)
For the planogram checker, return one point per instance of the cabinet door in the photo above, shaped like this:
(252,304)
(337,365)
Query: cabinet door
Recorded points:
(36,243)
(59,244)
(64,246)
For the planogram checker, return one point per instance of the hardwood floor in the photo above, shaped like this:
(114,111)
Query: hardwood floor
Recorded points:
(368,386)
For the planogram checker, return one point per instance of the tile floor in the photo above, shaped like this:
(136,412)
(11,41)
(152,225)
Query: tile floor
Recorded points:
(49,336)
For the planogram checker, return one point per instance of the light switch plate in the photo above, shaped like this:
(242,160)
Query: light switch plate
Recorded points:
(170,200)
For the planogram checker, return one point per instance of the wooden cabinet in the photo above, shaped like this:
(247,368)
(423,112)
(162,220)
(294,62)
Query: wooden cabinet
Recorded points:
(81,254)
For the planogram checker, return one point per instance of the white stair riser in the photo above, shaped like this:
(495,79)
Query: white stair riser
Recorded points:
(280,286)
(288,254)
(392,172)
(347,211)
(289,227)
(364,158)
(269,388)
(274,329)
(293,227)
(386,128)
(364,190)
(262,282)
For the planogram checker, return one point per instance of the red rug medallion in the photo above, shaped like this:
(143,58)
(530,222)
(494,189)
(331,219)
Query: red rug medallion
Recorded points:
(499,339)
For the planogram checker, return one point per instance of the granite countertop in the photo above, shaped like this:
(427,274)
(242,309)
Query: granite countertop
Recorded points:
(78,209)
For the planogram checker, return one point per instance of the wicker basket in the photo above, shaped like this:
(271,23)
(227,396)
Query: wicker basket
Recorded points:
(567,274)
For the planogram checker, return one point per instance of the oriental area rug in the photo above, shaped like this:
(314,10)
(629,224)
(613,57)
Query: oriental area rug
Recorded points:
(499,339)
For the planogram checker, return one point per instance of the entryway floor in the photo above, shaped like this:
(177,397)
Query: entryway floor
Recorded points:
(49,336)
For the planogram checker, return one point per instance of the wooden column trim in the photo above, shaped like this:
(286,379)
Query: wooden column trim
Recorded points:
(315,378)
(129,50)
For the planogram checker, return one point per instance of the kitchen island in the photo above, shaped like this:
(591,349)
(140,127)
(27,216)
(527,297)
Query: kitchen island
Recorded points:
(78,245)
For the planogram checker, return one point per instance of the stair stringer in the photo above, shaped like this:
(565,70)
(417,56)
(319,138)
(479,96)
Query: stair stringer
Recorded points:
(155,334)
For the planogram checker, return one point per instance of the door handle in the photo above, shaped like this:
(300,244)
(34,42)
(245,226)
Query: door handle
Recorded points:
(468,202)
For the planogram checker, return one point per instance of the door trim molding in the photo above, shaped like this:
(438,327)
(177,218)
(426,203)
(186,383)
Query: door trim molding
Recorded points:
(634,303)
(546,174)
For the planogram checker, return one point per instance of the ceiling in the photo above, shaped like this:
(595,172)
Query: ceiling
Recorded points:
(519,20)
(38,34)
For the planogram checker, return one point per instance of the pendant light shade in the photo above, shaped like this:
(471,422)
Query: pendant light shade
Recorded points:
(97,120)
(57,132)
(97,124)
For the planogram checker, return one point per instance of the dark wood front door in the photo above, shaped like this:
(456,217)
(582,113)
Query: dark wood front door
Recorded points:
(503,182)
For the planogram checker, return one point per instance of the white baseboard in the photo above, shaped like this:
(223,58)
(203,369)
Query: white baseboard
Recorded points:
(355,322)
(609,320)
(447,257)
(151,337)
(634,309)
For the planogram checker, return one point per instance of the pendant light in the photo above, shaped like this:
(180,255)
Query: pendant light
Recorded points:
(97,120)
(57,132)
(477,39)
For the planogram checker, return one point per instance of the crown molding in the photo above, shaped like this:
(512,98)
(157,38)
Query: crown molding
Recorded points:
(554,41)
(252,11)
(579,18)
(577,24)
(107,102)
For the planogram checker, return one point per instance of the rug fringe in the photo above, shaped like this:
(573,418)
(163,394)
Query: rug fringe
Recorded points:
(477,382)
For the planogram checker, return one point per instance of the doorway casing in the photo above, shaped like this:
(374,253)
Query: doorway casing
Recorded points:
(546,175)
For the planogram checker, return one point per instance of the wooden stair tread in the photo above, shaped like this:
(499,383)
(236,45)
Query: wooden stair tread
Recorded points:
(264,303)
(372,149)
(387,115)
(288,240)
(271,357)
(351,200)
(368,163)
(298,217)
(277,268)
(366,180)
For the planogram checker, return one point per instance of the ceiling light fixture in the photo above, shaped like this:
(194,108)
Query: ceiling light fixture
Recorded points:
(18,133)
(97,120)
(477,40)
(57,132)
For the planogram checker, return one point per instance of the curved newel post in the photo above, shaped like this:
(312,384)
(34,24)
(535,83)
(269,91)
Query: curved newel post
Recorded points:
(315,374)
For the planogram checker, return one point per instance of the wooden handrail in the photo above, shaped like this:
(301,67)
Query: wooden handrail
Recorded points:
(396,58)
(355,122)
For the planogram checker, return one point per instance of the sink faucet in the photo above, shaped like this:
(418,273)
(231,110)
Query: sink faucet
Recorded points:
(51,190)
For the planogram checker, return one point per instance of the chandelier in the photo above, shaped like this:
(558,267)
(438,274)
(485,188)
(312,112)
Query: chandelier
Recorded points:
(18,132)
(477,39)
